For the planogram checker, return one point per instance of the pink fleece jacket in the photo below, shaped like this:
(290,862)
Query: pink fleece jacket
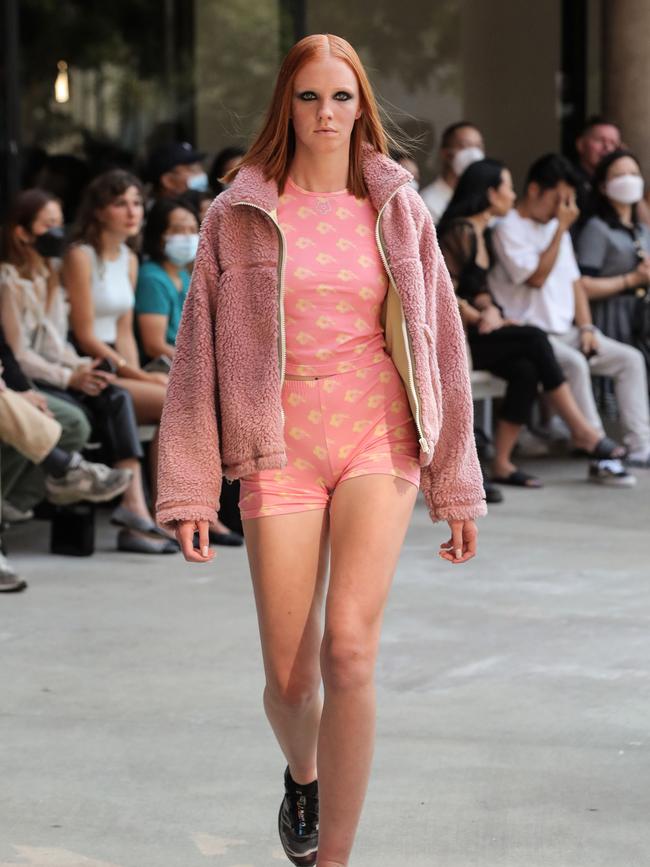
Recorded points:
(223,414)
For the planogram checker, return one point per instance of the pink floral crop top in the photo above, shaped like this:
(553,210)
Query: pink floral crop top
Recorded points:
(335,282)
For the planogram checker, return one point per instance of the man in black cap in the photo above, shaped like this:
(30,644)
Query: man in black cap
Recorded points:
(176,167)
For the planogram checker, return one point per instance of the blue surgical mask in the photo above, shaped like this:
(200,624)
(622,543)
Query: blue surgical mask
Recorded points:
(181,249)
(198,182)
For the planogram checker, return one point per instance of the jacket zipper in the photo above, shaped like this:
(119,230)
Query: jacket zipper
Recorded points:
(281,269)
(424,445)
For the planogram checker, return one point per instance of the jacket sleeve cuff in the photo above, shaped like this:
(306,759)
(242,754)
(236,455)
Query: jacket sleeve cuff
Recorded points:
(457,511)
(169,516)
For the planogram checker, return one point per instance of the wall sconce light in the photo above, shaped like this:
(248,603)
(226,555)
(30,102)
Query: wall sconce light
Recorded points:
(61,85)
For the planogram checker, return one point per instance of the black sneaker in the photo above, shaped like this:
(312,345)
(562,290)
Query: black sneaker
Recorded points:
(298,821)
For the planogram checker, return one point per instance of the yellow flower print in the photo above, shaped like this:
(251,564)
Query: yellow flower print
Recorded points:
(302,273)
(303,304)
(323,354)
(343,213)
(325,259)
(314,416)
(340,339)
(362,373)
(344,367)
(361,324)
(322,481)
(344,244)
(303,243)
(344,307)
(364,261)
(297,433)
(325,322)
(337,419)
(366,293)
(344,451)
(400,432)
(324,228)
(303,338)
(304,212)
(346,275)
(302,464)
(396,406)
(329,385)
(375,400)
(380,429)
(320,452)
(385,375)
(294,399)
(324,289)
(362,230)
(359,426)
(352,395)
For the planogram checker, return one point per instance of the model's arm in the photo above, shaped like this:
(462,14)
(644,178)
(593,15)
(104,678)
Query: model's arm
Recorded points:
(189,464)
(452,483)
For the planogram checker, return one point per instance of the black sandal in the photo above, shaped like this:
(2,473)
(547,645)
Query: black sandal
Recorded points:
(518,479)
(605,450)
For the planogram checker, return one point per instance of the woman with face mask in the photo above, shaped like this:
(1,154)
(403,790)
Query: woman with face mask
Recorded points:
(171,238)
(615,247)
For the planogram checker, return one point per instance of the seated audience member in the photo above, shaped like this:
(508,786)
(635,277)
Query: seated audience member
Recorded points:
(40,454)
(174,168)
(520,354)
(407,162)
(34,317)
(225,161)
(614,246)
(171,239)
(536,281)
(598,137)
(10,580)
(460,146)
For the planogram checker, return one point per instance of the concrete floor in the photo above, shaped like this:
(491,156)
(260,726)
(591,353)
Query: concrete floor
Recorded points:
(514,700)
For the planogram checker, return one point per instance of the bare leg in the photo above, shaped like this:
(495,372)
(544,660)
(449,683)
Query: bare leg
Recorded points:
(148,399)
(133,498)
(505,439)
(584,435)
(288,562)
(365,544)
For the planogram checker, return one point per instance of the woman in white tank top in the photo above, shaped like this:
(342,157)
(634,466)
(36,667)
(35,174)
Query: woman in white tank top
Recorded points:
(99,273)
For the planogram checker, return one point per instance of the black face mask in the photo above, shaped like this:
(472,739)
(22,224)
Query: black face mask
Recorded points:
(50,244)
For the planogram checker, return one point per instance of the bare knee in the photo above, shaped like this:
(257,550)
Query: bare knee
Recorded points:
(347,659)
(293,693)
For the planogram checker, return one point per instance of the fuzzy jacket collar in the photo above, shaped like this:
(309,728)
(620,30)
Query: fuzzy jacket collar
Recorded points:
(382,176)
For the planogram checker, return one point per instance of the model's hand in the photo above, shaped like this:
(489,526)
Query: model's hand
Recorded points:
(462,545)
(185,531)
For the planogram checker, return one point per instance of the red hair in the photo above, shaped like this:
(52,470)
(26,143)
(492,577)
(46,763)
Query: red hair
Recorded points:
(275,144)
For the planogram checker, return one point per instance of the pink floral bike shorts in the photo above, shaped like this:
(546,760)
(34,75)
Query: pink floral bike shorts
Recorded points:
(337,427)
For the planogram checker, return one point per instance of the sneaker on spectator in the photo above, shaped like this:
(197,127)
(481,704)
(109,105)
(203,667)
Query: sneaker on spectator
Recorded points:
(13,515)
(95,483)
(10,581)
(611,472)
(529,445)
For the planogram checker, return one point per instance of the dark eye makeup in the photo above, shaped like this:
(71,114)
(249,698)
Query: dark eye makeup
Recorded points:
(309,95)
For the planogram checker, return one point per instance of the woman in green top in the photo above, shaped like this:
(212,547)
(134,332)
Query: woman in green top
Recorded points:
(171,237)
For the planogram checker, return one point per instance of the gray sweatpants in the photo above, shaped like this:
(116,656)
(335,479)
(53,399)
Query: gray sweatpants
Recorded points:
(626,367)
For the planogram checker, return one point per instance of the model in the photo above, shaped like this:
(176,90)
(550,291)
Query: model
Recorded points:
(320,360)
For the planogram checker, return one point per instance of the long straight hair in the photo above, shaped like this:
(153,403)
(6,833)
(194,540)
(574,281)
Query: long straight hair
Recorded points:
(275,144)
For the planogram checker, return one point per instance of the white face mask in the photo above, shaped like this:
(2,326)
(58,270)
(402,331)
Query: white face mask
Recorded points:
(413,183)
(464,158)
(181,249)
(625,189)
(198,182)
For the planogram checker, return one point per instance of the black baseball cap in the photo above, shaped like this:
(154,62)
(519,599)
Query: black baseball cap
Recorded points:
(166,156)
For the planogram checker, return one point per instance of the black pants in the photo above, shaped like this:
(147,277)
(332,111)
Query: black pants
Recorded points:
(111,415)
(523,356)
